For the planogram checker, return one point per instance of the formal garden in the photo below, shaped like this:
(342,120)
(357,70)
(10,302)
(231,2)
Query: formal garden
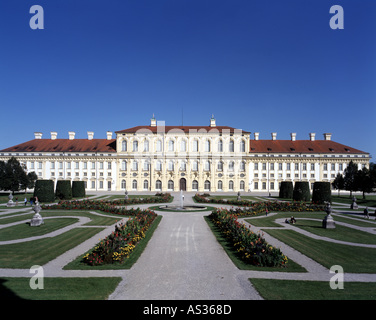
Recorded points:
(128,226)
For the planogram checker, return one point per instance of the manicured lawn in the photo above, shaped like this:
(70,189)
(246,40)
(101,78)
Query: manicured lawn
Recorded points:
(105,219)
(352,259)
(59,288)
(268,221)
(369,201)
(233,255)
(313,290)
(339,233)
(38,252)
(23,230)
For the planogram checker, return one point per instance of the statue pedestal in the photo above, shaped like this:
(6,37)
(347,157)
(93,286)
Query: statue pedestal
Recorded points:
(10,203)
(328,222)
(37,220)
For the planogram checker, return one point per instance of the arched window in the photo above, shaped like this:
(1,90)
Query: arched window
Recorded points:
(220,185)
(231,146)
(183,145)
(231,166)
(220,166)
(124,165)
(207,165)
(135,165)
(159,145)
(194,185)
(242,185)
(146,184)
(124,145)
(220,145)
(158,165)
(170,185)
(183,165)
(135,146)
(194,165)
(231,185)
(134,184)
(195,145)
(242,166)
(207,145)
(123,184)
(146,145)
(242,146)
(171,145)
(171,165)
(158,185)
(207,185)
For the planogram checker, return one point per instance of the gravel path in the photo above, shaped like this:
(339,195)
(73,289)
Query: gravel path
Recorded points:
(184,261)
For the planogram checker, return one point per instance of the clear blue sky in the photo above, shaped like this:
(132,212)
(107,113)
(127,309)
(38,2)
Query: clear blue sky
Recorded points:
(262,66)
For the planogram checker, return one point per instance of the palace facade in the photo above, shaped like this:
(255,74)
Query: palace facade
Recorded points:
(164,158)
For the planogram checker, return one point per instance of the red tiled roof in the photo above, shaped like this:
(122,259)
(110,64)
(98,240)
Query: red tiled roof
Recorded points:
(185,129)
(299,146)
(65,145)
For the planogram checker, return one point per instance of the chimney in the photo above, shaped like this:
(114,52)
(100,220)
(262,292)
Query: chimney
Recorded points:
(90,135)
(274,135)
(327,136)
(71,135)
(212,121)
(312,136)
(38,135)
(257,134)
(53,135)
(109,135)
(293,136)
(153,122)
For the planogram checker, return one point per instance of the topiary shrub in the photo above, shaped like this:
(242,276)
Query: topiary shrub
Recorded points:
(63,190)
(301,191)
(286,190)
(321,192)
(44,190)
(78,189)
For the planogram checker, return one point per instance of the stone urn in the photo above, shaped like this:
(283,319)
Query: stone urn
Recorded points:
(328,222)
(37,219)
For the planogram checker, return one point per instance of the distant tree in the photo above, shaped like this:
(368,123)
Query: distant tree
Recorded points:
(31,179)
(13,176)
(339,183)
(349,177)
(363,181)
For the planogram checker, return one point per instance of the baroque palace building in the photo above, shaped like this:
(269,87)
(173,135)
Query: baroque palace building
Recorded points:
(164,158)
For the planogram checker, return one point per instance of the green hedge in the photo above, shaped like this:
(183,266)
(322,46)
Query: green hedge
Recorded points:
(63,190)
(78,189)
(286,190)
(301,191)
(321,192)
(44,190)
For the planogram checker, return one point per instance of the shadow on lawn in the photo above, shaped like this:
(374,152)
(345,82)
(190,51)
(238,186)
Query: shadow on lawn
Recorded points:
(6,293)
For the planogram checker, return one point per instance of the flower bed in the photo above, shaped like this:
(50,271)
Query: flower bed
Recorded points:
(254,208)
(251,247)
(108,206)
(121,242)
